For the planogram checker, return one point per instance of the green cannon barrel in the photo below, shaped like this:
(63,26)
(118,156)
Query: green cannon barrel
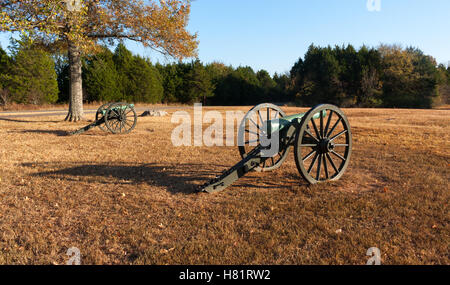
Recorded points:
(280,124)
(121,107)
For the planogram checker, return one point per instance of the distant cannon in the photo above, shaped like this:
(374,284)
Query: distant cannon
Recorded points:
(118,118)
(321,138)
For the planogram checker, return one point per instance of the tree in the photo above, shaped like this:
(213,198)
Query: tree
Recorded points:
(265,80)
(240,87)
(78,26)
(217,71)
(409,77)
(32,75)
(63,76)
(100,78)
(267,85)
(370,72)
(155,84)
(199,85)
(123,61)
(317,77)
(4,61)
(283,84)
(350,73)
(4,77)
(444,84)
(172,83)
(144,82)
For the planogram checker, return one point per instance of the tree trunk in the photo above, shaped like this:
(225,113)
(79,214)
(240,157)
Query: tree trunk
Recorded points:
(76,85)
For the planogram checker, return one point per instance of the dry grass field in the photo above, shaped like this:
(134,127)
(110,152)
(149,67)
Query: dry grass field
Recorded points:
(129,199)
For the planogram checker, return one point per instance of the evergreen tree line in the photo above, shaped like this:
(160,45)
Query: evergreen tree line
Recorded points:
(27,76)
(386,76)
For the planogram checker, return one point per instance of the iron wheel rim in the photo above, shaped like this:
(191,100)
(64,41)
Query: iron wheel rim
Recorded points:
(261,111)
(100,114)
(120,118)
(319,140)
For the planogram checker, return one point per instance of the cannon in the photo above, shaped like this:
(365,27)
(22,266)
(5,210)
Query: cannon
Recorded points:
(118,118)
(321,138)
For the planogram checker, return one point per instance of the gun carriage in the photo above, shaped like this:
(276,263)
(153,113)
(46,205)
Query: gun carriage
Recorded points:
(117,118)
(321,138)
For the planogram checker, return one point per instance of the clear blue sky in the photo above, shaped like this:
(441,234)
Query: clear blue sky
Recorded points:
(273,34)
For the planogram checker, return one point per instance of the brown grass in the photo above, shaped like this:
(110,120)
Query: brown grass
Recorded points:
(128,199)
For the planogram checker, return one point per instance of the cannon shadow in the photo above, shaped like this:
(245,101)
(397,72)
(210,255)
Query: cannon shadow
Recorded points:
(58,133)
(182,178)
(177,179)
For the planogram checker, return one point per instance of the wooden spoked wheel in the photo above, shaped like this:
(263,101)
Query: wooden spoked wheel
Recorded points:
(252,129)
(323,144)
(120,118)
(100,114)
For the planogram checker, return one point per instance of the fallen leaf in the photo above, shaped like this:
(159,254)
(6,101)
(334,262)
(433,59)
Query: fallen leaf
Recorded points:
(338,231)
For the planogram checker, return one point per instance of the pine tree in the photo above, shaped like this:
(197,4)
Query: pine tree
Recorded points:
(101,80)
(240,87)
(33,75)
(144,84)
(156,84)
(4,77)
(123,61)
(198,84)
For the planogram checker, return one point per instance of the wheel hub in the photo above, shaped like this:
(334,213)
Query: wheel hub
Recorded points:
(325,146)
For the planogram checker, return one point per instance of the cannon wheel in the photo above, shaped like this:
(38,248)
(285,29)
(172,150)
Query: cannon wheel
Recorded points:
(248,139)
(120,118)
(323,144)
(99,115)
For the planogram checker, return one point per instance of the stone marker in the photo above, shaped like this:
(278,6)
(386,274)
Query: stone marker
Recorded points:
(154,113)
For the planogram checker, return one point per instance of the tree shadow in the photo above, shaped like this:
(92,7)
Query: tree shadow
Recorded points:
(26,121)
(181,178)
